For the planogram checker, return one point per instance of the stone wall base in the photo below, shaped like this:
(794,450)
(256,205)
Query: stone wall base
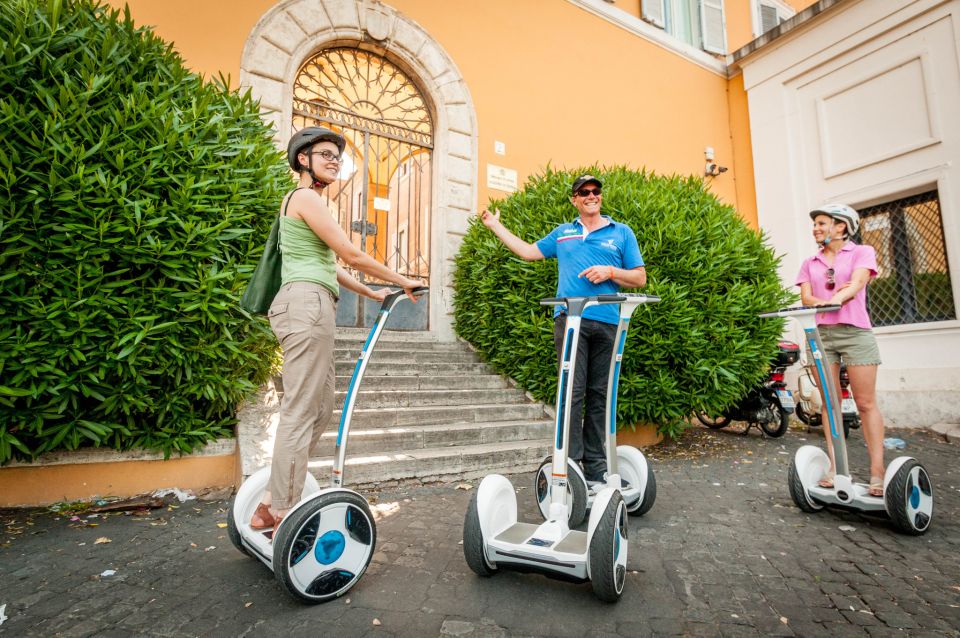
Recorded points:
(86,474)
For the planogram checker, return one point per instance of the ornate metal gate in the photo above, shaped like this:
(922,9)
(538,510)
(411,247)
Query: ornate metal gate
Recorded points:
(382,198)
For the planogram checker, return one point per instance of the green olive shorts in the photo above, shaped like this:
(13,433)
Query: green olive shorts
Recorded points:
(854,346)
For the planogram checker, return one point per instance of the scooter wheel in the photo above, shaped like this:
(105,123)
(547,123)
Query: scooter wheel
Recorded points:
(780,423)
(909,499)
(576,497)
(608,551)
(649,495)
(798,492)
(473,542)
(232,532)
(634,471)
(711,422)
(323,548)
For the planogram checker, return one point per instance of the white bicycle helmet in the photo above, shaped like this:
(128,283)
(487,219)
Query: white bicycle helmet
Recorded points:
(842,213)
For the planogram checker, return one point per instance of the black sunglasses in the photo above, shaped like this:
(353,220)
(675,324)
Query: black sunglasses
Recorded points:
(831,282)
(586,192)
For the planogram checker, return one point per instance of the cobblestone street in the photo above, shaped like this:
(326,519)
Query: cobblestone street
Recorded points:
(723,552)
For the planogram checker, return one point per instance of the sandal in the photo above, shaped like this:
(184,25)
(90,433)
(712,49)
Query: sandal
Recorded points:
(876,486)
(262,518)
(827,480)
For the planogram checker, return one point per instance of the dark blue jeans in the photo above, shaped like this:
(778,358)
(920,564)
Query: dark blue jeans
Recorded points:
(589,403)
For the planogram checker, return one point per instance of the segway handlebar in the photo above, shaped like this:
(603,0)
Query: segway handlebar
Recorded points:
(801,311)
(393,297)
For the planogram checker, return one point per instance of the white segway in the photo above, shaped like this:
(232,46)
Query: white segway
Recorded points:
(324,544)
(627,467)
(494,539)
(907,492)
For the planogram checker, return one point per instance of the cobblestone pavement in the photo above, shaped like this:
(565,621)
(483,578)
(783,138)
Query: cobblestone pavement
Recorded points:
(723,552)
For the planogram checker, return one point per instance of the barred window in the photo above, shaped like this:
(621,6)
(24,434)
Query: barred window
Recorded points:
(913,277)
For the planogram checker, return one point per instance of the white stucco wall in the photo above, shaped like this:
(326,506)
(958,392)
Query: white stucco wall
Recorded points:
(862,105)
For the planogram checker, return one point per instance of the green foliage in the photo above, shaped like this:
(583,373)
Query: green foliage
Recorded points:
(702,347)
(135,199)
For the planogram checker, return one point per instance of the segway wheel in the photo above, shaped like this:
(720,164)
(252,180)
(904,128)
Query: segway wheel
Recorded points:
(323,548)
(649,496)
(608,551)
(232,532)
(780,423)
(473,542)
(633,466)
(576,497)
(909,499)
(714,423)
(798,492)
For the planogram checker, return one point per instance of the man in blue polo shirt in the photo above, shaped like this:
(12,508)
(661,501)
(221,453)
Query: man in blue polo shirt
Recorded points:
(595,256)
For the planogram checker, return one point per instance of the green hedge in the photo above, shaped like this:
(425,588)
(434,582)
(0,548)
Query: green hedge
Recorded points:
(135,199)
(700,348)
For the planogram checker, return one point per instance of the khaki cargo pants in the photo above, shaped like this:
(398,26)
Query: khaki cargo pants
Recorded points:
(303,317)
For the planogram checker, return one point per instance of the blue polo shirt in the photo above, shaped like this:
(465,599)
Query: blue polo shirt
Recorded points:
(576,250)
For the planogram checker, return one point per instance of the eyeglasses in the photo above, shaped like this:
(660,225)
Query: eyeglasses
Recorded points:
(327,155)
(831,282)
(586,192)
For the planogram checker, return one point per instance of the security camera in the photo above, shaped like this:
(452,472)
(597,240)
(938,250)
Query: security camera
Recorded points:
(712,169)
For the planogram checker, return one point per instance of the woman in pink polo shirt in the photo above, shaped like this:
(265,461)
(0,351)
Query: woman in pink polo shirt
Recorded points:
(838,274)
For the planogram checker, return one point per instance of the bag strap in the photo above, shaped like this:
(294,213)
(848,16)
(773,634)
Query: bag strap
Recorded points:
(284,213)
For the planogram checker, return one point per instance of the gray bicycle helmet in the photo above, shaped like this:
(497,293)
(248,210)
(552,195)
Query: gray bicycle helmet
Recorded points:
(308,137)
(842,213)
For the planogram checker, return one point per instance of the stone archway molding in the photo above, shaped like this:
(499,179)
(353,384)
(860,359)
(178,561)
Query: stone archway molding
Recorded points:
(292,30)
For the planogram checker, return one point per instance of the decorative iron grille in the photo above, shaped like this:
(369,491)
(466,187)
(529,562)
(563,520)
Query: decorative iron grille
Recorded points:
(913,276)
(382,197)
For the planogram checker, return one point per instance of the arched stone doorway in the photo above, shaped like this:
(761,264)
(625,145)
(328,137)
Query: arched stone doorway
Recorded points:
(294,31)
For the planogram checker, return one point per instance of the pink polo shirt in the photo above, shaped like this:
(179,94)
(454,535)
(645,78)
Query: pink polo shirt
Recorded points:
(851,257)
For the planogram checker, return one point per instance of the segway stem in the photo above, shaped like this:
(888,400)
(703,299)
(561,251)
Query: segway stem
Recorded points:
(343,431)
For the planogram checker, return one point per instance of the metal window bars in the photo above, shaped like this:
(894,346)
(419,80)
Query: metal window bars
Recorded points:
(913,282)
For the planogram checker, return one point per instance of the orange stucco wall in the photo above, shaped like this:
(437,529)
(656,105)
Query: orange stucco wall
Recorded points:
(555,83)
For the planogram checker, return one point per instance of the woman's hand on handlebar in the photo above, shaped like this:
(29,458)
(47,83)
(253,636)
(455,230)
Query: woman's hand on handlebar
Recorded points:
(379,294)
(409,286)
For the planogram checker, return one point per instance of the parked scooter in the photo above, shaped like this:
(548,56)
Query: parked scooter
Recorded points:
(768,405)
(810,406)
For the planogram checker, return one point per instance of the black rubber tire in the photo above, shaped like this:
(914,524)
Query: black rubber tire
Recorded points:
(606,576)
(897,495)
(713,423)
(780,424)
(232,532)
(649,495)
(797,491)
(286,535)
(473,542)
(802,414)
(576,487)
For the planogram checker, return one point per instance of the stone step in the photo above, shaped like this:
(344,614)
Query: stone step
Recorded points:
(416,437)
(410,336)
(398,369)
(397,344)
(445,397)
(408,357)
(428,465)
(438,382)
(369,418)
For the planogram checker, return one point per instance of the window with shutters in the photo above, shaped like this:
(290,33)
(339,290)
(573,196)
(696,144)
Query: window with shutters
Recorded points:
(768,14)
(699,23)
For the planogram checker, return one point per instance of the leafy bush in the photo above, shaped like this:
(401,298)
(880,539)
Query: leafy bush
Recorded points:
(135,199)
(702,347)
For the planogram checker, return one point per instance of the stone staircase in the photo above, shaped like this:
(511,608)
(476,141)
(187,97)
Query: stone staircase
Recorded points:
(426,411)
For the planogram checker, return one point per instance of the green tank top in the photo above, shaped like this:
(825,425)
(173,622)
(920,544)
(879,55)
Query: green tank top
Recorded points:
(305,256)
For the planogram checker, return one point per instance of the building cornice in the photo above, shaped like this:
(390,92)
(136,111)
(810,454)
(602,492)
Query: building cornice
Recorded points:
(655,35)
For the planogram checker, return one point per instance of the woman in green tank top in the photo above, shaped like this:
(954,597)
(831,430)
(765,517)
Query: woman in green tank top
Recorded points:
(303,313)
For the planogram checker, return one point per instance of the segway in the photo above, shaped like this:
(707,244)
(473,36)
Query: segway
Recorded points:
(627,467)
(323,546)
(494,539)
(907,491)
